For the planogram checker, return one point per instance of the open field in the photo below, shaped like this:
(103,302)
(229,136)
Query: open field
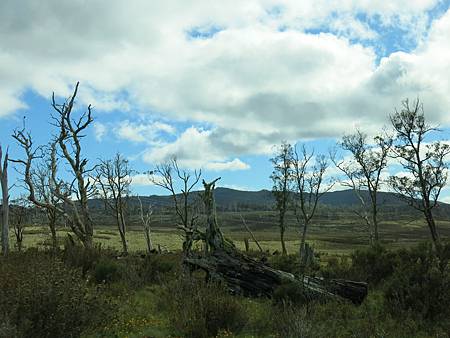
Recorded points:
(338,237)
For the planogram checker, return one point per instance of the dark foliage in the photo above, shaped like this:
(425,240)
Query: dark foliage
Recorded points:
(42,297)
(290,293)
(420,284)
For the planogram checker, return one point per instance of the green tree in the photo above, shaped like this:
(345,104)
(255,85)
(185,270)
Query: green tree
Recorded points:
(281,189)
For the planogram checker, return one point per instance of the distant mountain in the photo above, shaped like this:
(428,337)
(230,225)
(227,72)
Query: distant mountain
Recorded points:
(236,200)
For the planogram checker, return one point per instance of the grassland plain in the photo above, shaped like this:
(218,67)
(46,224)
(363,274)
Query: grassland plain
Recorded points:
(339,236)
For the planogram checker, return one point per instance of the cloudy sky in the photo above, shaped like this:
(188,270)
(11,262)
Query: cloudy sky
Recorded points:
(218,83)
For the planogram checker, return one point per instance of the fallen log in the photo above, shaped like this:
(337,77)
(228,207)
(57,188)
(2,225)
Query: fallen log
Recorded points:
(247,276)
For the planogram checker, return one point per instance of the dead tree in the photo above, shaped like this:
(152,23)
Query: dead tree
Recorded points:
(146,218)
(168,176)
(19,216)
(251,234)
(68,139)
(281,177)
(364,173)
(309,188)
(243,275)
(5,201)
(426,163)
(38,178)
(113,178)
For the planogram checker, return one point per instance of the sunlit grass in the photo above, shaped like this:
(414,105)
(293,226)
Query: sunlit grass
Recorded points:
(331,239)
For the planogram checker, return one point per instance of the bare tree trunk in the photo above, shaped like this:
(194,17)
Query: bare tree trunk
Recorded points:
(375,224)
(283,243)
(302,252)
(122,230)
(214,236)
(146,219)
(5,217)
(433,230)
(251,234)
(5,203)
(51,216)
(247,245)
(148,240)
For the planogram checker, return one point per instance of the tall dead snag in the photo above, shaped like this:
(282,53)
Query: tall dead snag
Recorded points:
(214,237)
(244,275)
(68,140)
(169,176)
(364,173)
(281,177)
(309,188)
(426,163)
(5,201)
(38,178)
(113,178)
(146,218)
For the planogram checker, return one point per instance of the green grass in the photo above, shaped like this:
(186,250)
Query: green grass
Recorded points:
(136,317)
(331,236)
(137,313)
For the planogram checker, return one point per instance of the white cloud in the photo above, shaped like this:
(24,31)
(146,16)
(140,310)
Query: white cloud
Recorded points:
(236,187)
(445,199)
(252,82)
(233,165)
(142,132)
(100,131)
(141,180)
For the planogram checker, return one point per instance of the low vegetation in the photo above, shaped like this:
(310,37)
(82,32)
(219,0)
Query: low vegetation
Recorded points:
(73,292)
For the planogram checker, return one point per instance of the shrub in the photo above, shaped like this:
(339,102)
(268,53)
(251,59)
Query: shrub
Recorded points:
(77,256)
(290,321)
(373,265)
(288,263)
(137,271)
(199,309)
(337,268)
(155,267)
(106,271)
(290,293)
(419,285)
(41,297)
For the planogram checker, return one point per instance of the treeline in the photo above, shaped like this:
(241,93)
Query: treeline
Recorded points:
(62,183)
(300,177)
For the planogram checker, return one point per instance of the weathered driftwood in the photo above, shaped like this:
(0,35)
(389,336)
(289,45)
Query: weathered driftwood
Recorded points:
(244,275)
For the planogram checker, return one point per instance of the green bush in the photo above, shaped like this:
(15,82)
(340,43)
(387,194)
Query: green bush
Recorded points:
(106,271)
(288,263)
(136,271)
(290,293)
(154,268)
(77,256)
(337,267)
(42,297)
(343,319)
(372,265)
(199,309)
(419,284)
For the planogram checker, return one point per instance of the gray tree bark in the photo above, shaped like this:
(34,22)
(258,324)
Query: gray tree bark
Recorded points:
(5,202)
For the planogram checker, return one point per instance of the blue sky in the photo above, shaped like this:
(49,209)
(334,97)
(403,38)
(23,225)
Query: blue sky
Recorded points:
(218,84)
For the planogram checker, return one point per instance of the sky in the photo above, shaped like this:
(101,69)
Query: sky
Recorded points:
(219,83)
